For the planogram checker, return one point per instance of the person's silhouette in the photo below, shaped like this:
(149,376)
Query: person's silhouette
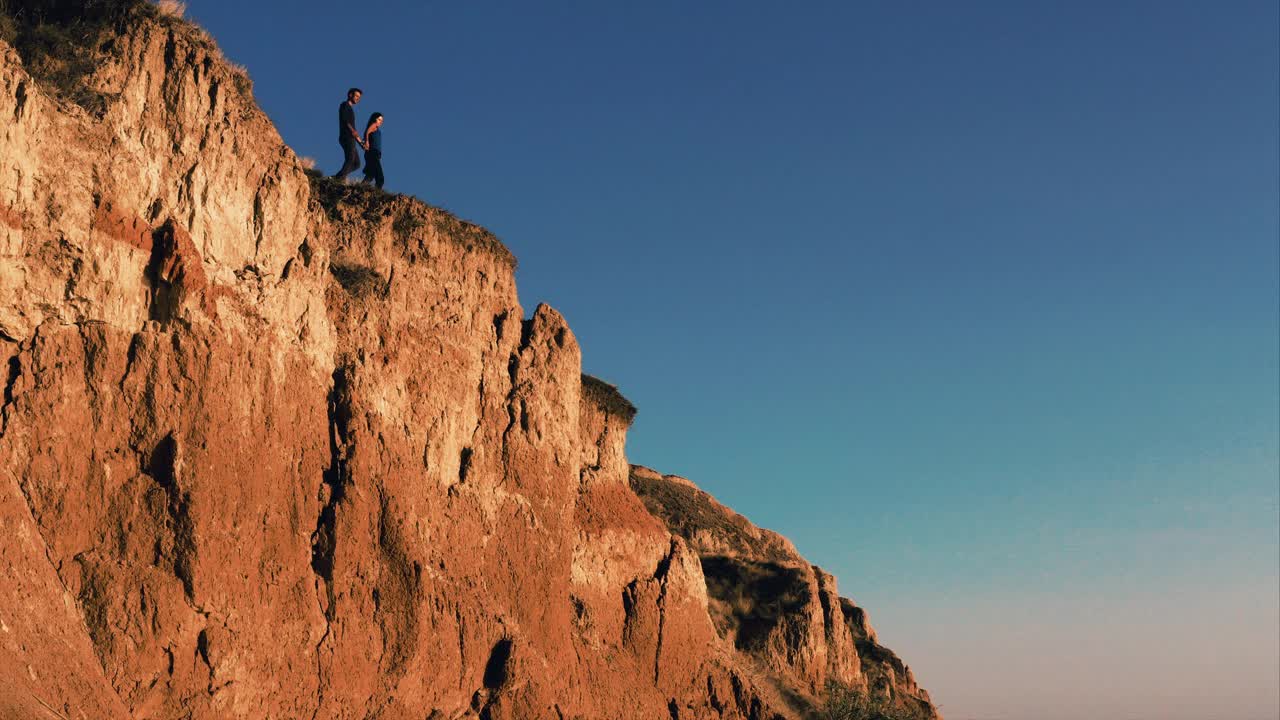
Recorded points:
(348,137)
(373,150)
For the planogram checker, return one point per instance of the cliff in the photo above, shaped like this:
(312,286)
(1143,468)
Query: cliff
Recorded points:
(277,448)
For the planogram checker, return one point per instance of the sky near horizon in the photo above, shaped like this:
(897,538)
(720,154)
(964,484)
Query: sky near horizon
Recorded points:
(979,303)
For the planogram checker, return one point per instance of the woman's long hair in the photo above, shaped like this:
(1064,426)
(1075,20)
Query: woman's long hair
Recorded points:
(372,119)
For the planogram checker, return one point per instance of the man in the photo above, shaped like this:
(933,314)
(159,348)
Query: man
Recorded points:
(348,137)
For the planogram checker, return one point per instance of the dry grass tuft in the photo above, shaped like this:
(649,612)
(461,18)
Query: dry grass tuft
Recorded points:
(240,74)
(406,225)
(359,280)
(171,8)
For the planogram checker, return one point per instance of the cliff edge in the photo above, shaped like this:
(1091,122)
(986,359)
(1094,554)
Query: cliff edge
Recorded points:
(272,447)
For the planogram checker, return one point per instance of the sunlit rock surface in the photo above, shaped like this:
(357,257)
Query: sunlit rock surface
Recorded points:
(277,448)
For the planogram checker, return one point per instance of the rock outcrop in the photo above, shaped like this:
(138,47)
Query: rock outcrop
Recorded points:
(272,447)
(770,605)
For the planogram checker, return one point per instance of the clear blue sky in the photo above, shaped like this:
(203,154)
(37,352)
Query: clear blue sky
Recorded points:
(976,301)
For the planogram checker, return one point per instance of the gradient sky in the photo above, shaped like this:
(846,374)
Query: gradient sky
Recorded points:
(978,302)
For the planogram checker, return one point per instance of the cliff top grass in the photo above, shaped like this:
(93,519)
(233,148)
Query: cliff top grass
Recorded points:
(408,213)
(692,513)
(608,397)
(61,42)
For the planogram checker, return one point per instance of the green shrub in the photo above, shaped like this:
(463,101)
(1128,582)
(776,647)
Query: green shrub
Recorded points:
(844,703)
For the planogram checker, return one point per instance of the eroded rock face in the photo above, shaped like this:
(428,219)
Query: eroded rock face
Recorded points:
(276,448)
(774,607)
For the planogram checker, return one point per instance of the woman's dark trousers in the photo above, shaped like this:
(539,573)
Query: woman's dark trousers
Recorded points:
(373,167)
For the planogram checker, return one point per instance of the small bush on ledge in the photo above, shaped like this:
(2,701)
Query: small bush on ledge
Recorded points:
(359,280)
(843,703)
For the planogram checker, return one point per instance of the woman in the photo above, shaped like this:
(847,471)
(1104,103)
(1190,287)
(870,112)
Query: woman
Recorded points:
(373,150)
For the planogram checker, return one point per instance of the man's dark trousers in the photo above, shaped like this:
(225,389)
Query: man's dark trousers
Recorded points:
(352,161)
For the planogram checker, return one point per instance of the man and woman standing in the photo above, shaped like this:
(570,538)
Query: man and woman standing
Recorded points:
(350,140)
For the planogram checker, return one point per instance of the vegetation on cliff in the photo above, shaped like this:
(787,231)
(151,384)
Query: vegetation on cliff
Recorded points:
(408,215)
(846,703)
(61,41)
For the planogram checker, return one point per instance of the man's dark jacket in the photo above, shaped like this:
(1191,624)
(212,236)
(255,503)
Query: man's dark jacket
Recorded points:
(346,121)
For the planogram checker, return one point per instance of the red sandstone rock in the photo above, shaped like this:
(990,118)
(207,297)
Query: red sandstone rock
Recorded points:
(277,448)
